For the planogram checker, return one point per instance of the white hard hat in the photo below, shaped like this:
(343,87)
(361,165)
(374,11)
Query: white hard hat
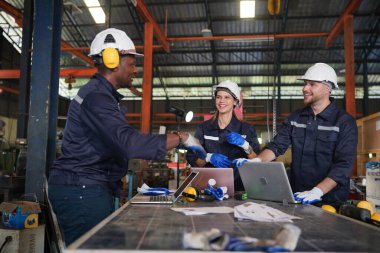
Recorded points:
(230,86)
(112,38)
(321,72)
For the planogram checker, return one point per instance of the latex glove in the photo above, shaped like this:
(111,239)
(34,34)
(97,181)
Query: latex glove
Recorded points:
(238,140)
(218,160)
(219,193)
(240,161)
(146,190)
(309,197)
(193,144)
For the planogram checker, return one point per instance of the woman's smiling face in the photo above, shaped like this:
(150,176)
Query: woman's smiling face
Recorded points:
(224,102)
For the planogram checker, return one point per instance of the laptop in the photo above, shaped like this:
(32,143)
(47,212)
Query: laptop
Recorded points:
(266,181)
(170,199)
(222,176)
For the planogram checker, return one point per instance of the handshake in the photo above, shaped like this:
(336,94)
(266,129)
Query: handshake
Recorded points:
(193,144)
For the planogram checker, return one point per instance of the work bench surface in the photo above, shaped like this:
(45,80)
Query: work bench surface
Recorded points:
(157,228)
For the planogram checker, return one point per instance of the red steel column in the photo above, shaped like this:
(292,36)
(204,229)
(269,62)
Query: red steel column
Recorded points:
(147,78)
(349,64)
(351,7)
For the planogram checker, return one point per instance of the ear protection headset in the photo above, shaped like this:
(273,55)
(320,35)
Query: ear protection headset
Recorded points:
(111,58)
(192,194)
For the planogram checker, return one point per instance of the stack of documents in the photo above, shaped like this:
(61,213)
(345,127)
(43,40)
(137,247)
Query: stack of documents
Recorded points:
(258,212)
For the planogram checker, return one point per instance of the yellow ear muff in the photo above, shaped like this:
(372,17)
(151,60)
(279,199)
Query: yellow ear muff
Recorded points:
(111,58)
(190,194)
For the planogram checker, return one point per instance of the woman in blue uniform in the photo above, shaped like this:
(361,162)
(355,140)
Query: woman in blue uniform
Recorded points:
(224,136)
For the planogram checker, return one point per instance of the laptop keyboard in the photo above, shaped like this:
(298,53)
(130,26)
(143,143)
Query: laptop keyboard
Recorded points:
(159,198)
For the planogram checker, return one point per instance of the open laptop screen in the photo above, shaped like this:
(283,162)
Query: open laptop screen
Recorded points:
(266,181)
(185,184)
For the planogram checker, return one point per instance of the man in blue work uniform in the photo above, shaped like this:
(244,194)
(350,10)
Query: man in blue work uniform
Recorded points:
(323,139)
(98,141)
(224,136)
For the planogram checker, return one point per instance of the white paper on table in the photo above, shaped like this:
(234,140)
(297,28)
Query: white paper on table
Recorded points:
(203,210)
(259,212)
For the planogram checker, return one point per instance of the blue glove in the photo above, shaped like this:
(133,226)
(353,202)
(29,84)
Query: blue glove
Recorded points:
(217,193)
(146,190)
(218,160)
(157,192)
(194,145)
(309,197)
(238,140)
(235,139)
(240,161)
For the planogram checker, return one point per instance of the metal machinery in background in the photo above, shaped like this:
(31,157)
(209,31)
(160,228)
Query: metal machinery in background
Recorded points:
(12,168)
(157,174)
(153,173)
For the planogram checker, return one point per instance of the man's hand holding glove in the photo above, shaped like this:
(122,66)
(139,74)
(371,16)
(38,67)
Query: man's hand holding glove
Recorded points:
(194,145)
(218,160)
(309,197)
(238,140)
(240,161)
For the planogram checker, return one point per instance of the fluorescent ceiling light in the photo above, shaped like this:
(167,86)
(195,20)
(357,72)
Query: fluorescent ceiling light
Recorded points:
(92,3)
(96,11)
(98,15)
(206,32)
(247,9)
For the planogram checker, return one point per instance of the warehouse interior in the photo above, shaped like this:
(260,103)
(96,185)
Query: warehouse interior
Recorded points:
(189,46)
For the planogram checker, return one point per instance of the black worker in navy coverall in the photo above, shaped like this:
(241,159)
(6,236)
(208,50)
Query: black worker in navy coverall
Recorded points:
(323,141)
(98,141)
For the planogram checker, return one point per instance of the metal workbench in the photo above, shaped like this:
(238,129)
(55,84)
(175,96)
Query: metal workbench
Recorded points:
(157,228)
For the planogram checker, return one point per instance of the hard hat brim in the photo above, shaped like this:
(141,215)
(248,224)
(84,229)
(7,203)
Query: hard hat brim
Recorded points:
(136,54)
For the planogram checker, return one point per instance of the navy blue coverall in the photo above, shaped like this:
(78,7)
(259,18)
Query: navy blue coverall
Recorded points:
(214,140)
(323,145)
(96,146)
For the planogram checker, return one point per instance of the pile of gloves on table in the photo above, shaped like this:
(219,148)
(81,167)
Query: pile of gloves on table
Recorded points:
(285,239)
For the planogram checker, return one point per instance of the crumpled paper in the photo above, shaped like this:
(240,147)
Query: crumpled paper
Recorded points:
(259,212)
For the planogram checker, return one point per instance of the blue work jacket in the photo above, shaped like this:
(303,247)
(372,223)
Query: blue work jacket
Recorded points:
(323,145)
(98,141)
(214,140)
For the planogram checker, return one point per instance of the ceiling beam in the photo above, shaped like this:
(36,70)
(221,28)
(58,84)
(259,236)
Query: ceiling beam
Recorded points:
(298,49)
(13,11)
(17,15)
(350,9)
(254,36)
(67,46)
(88,72)
(143,10)
(173,21)
(69,72)
(9,90)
